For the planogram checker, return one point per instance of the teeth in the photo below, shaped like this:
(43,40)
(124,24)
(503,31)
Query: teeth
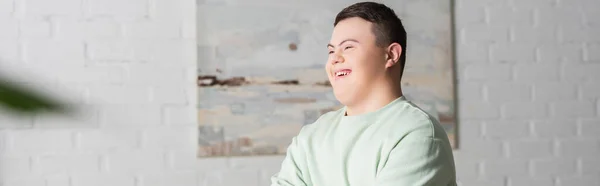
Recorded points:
(341,73)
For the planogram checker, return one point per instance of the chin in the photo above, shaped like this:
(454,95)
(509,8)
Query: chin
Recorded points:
(344,97)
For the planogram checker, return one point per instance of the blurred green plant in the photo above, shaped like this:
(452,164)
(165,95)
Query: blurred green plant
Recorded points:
(26,101)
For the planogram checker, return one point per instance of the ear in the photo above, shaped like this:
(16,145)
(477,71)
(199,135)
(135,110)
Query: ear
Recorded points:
(393,54)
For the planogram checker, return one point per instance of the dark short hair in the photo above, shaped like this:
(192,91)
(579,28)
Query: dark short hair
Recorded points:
(387,27)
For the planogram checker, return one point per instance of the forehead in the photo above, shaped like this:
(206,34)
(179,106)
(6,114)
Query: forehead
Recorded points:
(352,28)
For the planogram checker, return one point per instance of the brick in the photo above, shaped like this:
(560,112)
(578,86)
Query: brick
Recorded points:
(512,52)
(108,139)
(483,181)
(506,16)
(153,29)
(109,50)
(478,110)
(540,4)
(590,165)
(6,7)
(146,75)
(118,94)
(482,148)
(473,53)
(179,137)
(471,90)
(536,73)
(554,167)
(222,178)
(505,167)
(484,34)
(562,128)
(128,10)
(471,129)
(577,148)
(530,34)
(165,51)
(91,75)
(86,29)
(15,166)
(555,53)
(592,52)
(174,10)
(570,109)
(591,179)
(69,163)
(524,110)
(170,178)
(39,8)
(31,181)
(136,161)
(186,159)
(474,4)
(9,51)
(488,72)
(470,16)
(590,127)
(524,180)
(87,118)
(37,141)
(9,120)
(569,16)
(544,92)
(35,28)
(51,52)
(10,28)
(207,165)
(104,179)
(581,72)
(508,92)
(180,115)
(253,162)
(590,90)
(576,34)
(506,129)
(590,14)
(58,180)
(71,94)
(130,115)
(530,149)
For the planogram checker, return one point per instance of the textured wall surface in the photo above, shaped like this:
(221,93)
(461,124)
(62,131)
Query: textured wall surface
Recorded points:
(129,66)
(528,90)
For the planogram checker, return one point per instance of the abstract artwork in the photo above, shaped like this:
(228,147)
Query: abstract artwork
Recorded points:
(261,74)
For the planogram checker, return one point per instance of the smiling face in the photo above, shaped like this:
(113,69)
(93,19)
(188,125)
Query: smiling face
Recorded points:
(355,63)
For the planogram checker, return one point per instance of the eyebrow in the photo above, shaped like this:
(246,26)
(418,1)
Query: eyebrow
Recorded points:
(353,40)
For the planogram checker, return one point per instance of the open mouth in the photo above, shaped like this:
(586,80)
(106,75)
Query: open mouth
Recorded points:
(341,73)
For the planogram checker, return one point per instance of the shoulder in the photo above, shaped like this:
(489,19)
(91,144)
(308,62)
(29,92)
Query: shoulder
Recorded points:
(413,122)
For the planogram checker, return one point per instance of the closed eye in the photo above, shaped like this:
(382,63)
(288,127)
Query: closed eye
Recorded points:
(348,47)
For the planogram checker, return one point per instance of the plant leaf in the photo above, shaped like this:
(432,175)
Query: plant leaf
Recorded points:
(20,99)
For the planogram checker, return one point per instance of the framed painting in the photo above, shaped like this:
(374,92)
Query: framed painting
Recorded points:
(261,74)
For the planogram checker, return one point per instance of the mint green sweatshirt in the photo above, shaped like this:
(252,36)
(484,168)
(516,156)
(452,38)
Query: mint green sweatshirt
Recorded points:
(397,145)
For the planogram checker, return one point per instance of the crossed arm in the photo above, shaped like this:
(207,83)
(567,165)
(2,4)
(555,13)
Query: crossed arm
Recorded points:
(414,161)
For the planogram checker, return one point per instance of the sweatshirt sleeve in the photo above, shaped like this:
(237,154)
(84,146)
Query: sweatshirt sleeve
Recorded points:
(290,173)
(418,161)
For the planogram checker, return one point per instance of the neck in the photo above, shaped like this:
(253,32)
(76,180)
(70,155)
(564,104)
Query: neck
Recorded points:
(379,96)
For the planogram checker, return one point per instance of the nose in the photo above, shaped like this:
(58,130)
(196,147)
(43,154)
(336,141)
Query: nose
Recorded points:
(337,58)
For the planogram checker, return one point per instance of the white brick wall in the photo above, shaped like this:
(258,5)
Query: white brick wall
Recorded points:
(127,65)
(529,89)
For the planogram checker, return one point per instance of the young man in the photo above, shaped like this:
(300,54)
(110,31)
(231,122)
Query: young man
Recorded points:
(378,138)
